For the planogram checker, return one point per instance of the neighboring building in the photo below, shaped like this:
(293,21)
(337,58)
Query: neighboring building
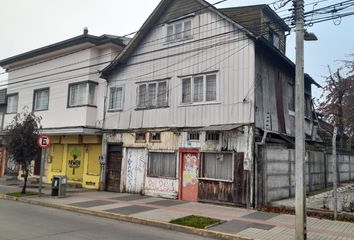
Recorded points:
(3,152)
(61,83)
(192,97)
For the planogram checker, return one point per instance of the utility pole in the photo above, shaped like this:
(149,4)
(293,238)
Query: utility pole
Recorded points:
(300,187)
(334,170)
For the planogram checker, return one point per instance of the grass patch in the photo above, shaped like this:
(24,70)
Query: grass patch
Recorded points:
(195,221)
(19,194)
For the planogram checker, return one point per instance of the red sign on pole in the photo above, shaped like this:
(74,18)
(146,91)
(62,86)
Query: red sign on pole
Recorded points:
(43,141)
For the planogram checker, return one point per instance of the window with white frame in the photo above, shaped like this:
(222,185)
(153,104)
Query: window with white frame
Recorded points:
(200,88)
(12,103)
(81,94)
(162,164)
(179,30)
(41,99)
(152,94)
(218,166)
(115,101)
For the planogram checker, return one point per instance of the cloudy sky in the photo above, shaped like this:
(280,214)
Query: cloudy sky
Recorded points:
(29,24)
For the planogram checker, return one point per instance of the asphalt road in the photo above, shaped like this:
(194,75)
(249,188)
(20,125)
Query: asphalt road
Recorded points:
(19,221)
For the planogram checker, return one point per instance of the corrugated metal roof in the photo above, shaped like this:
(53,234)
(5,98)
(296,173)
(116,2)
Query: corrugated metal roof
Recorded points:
(220,127)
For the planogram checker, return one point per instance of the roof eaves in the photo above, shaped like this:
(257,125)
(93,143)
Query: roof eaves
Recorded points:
(60,45)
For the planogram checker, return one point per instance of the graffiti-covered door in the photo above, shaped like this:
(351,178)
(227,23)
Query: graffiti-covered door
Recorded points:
(189,175)
(114,166)
(75,162)
(135,170)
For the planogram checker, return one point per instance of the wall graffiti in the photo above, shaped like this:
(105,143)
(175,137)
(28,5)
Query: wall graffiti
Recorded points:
(12,167)
(135,169)
(190,170)
(159,184)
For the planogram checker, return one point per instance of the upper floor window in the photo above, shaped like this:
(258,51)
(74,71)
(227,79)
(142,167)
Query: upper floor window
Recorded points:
(81,94)
(41,99)
(12,103)
(115,98)
(200,88)
(152,94)
(179,30)
(274,39)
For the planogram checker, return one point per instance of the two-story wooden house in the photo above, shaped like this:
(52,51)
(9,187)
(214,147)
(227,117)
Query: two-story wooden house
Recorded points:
(190,98)
(60,82)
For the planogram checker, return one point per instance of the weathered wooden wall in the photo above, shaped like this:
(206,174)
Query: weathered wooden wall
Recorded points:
(235,192)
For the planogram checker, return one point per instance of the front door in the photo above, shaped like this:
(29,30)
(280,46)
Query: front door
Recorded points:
(135,170)
(113,168)
(75,162)
(189,175)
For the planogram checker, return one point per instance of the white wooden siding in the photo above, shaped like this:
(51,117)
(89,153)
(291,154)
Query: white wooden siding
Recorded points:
(231,55)
(56,74)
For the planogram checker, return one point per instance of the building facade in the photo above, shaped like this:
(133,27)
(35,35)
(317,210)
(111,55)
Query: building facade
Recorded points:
(189,98)
(61,84)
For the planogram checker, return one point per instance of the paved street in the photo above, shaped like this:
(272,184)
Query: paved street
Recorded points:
(20,221)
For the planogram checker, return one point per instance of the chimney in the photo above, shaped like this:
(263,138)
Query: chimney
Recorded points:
(85,31)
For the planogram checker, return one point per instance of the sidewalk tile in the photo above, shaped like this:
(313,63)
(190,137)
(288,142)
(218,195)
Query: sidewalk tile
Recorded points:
(131,197)
(93,203)
(261,215)
(163,215)
(167,203)
(236,226)
(130,209)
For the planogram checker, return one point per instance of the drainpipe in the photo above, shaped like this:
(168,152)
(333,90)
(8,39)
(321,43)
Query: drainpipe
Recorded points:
(255,172)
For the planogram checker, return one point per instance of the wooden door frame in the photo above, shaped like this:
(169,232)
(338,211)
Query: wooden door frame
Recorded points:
(182,151)
(121,164)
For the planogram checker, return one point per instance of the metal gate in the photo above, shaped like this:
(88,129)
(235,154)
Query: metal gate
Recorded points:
(135,170)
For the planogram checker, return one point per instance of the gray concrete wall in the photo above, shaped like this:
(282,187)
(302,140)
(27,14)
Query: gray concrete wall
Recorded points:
(279,171)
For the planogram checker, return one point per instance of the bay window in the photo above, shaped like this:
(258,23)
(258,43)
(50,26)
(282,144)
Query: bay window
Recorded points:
(81,94)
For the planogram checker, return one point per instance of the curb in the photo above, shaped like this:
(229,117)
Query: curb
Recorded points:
(127,218)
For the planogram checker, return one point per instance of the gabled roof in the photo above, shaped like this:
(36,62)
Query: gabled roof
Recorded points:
(84,38)
(149,24)
(160,10)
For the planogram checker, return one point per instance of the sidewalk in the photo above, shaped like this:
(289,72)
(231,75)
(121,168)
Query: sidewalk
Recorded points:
(239,223)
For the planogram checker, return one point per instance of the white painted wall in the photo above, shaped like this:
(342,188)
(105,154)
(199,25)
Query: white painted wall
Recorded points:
(231,55)
(57,72)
